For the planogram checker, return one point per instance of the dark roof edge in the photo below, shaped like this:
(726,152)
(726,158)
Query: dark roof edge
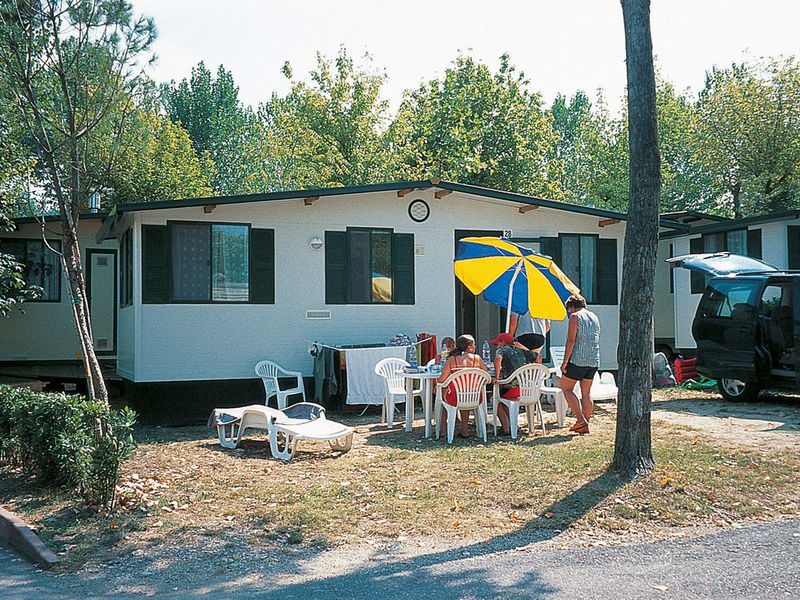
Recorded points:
(736,223)
(271,196)
(693,213)
(53,218)
(526,199)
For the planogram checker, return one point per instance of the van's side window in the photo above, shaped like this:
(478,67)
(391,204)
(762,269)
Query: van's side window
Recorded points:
(729,299)
(771,300)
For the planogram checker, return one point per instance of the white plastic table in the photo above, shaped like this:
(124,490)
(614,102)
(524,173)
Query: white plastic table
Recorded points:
(428,382)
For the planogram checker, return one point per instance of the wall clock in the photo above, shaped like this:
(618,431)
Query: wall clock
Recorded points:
(419,210)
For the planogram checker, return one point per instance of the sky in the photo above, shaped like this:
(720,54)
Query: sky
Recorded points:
(562,46)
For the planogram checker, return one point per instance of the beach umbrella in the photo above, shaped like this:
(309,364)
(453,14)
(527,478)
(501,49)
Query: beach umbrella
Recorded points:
(514,277)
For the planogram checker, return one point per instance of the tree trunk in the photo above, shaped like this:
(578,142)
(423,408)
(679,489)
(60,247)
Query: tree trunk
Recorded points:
(73,267)
(737,202)
(632,448)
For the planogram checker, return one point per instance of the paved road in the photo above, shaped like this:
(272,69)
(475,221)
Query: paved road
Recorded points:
(750,563)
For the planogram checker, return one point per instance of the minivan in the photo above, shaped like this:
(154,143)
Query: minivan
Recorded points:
(746,325)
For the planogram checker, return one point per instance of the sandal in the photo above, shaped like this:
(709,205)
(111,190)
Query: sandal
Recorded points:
(583,428)
(577,425)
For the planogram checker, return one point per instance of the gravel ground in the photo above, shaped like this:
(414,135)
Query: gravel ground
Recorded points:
(742,563)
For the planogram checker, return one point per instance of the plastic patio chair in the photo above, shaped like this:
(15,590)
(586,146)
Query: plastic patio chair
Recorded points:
(269,373)
(391,370)
(470,387)
(530,379)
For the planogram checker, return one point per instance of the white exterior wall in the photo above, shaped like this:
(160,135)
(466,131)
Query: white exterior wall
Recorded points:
(182,342)
(773,251)
(45,331)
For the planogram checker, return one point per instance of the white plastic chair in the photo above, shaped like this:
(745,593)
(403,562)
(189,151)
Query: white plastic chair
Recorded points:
(470,388)
(530,379)
(269,373)
(391,370)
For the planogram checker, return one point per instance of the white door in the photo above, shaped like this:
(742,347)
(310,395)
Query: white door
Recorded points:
(102,287)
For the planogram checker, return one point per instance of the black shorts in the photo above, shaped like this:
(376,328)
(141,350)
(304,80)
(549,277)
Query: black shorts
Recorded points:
(577,373)
(531,341)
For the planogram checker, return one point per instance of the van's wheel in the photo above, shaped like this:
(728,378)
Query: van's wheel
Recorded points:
(735,390)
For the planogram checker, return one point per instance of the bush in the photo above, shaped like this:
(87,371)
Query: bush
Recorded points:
(66,440)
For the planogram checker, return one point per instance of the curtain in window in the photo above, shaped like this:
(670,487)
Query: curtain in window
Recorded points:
(737,241)
(714,242)
(360,270)
(588,267)
(570,258)
(191,268)
(229,261)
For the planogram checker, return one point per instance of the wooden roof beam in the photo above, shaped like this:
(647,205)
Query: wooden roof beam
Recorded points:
(401,193)
(209,208)
(310,200)
(442,193)
(528,208)
(605,222)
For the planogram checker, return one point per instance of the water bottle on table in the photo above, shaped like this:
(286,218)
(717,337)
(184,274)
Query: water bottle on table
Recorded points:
(487,352)
(412,356)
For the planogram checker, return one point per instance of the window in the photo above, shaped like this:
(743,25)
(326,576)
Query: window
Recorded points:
(588,260)
(41,265)
(746,242)
(730,299)
(126,269)
(207,262)
(369,266)
(578,261)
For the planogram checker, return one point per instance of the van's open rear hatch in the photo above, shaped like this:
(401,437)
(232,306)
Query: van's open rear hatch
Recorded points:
(720,264)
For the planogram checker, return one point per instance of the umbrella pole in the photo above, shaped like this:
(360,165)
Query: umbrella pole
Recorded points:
(510,294)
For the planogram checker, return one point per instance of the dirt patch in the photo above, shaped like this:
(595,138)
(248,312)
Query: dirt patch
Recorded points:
(772,422)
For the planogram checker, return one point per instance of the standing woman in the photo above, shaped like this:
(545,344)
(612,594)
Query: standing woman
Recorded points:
(461,357)
(581,360)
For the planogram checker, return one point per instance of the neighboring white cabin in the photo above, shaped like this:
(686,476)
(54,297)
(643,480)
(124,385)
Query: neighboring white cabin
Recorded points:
(775,239)
(190,308)
(44,330)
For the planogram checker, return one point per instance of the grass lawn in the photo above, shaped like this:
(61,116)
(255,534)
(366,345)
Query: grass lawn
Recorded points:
(396,485)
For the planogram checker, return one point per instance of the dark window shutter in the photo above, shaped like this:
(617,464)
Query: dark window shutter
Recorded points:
(754,243)
(335,267)
(793,246)
(552,248)
(606,271)
(403,268)
(262,266)
(698,280)
(154,264)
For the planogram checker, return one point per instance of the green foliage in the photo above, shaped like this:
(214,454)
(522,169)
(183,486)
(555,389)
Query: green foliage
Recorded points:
(591,151)
(13,169)
(66,440)
(68,71)
(326,132)
(217,123)
(747,134)
(160,163)
(478,127)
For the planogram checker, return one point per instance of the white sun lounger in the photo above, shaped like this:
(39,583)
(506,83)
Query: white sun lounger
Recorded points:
(302,421)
